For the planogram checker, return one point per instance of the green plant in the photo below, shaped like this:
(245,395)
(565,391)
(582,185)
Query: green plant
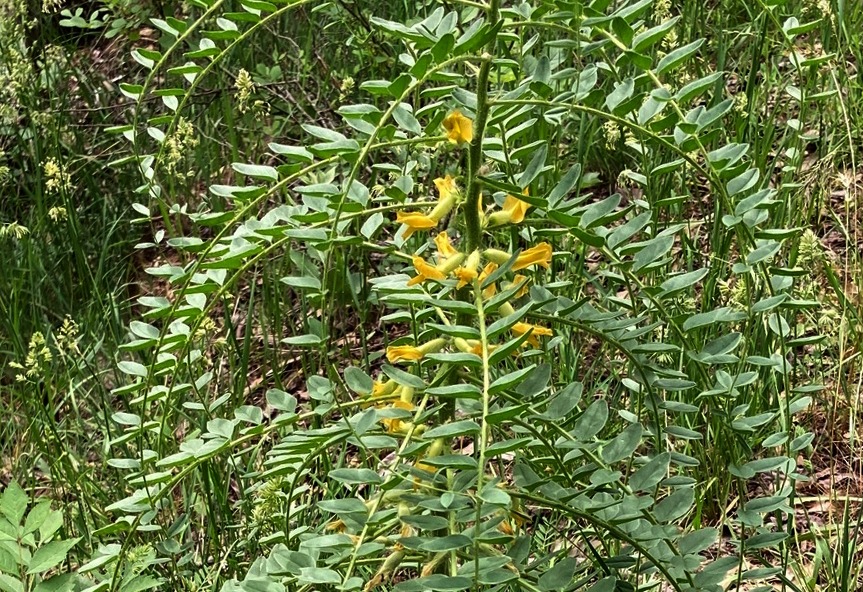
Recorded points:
(432,468)
(30,548)
(618,372)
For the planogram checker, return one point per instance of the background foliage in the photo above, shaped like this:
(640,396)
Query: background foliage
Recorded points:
(257,335)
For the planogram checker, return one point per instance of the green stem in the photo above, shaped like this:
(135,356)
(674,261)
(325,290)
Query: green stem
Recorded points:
(473,227)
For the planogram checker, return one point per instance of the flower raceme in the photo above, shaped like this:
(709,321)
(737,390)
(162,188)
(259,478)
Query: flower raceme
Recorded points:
(450,260)
(459,129)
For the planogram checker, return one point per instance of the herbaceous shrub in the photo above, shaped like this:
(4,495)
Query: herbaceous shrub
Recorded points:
(484,366)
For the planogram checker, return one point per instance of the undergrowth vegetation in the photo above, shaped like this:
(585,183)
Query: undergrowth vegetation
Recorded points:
(541,295)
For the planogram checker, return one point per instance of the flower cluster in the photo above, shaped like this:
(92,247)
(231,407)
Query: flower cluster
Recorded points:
(58,214)
(346,88)
(67,338)
(179,143)
(5,171)
(38,356)
(244,87)
(56,178)
(451,266)
(17,70)
(51,6)
(268,502)
(14,230)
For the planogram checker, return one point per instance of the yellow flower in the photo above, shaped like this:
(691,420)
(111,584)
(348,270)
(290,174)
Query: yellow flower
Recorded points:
(409,353)
(383,388)
(446,187)
(520,280)
(516,208)
(538,255)
(425,271)
(447,196)
(472,346)
(521,328)
(513,211)
(465,276)
(468,273)
(490,290)
(414,221)
(394,424)
(424,467)
(403,353)
(380,390)
(336,525)
(444,246)
(458,127)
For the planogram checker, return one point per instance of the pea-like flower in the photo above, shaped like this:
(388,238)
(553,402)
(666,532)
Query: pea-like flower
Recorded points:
(459,129)
(414,221)
(468,273)
(409,353)
(444,246)
(519,280)
(425,271)
(513,211)
(535,332)
(447,197)
(537,255)
(403,353)
(491,289)
(393,425)
(383,388)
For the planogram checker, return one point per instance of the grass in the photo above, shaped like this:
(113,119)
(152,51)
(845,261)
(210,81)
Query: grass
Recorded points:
(67,437)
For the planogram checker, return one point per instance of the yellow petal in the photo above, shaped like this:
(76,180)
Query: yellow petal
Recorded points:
(522,328)
(414,221)
(465,276)
(467,273)
(423,267)
(520,280)
(516,208)
(538,255)
(403,353)
(381,389)
(447,197)
(425,467)
(458,128)
(487,271)
(444,246)
(425,271)
(490,290)
(446,187)
(394,424)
